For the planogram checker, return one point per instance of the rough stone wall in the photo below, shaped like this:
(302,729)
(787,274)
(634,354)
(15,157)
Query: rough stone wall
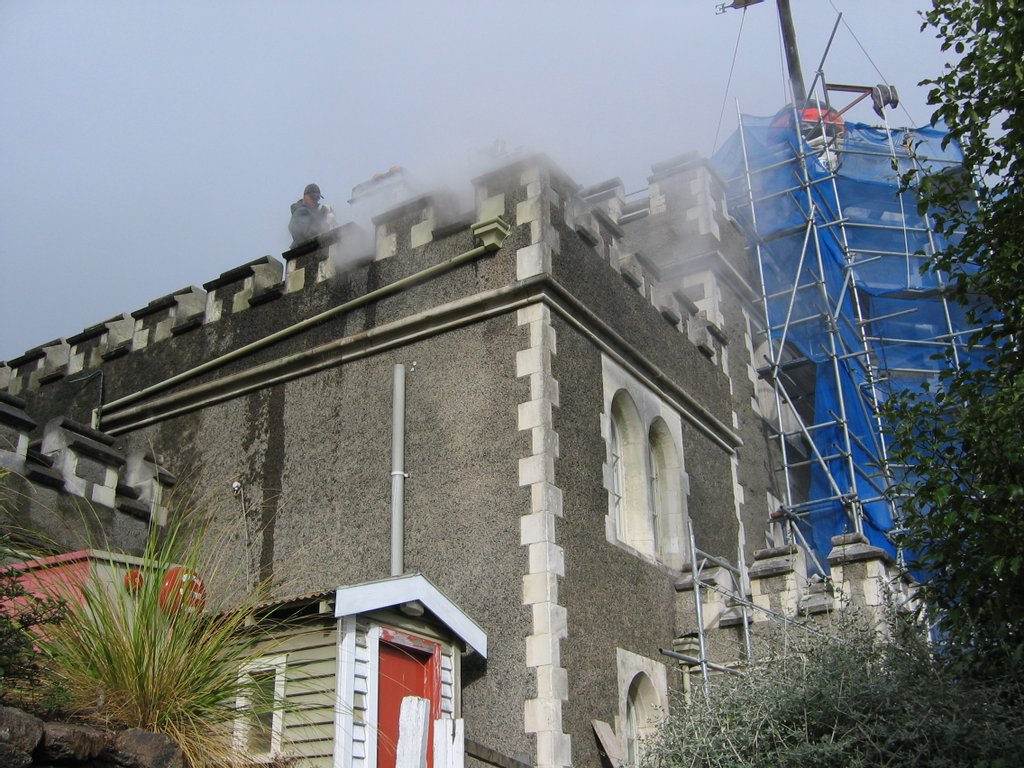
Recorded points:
(28,742)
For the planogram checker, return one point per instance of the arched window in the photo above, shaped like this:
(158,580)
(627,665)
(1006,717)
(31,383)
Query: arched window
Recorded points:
(628,460)
(643,472)
(665,493)
(617,479)
(642,712)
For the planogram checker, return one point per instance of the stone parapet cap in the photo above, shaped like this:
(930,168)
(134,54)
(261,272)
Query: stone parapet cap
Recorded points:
(608,223)
(515,169)
(39,469)
(635,209)
(853,548)
(152,464)
(775,561)
(596,193)
(62,434)
(770,552)
(317,248)
(31,355)
(316,243)
(12,412)
(687,161)
(183,295)
(406,208)
(265,266)
(90,333)
(712,576)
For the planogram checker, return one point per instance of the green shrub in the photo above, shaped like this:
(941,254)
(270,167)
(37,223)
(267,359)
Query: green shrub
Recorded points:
(854,701)
(22,615)
(147,657)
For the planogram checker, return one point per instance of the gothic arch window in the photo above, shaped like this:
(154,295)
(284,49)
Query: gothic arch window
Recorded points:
(644,469)
(642,713)
(628,459)
(666,498)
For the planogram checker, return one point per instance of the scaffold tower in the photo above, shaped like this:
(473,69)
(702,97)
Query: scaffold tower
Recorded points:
(849,315)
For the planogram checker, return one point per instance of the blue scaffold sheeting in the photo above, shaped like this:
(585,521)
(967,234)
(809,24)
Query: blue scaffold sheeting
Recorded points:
(841,252)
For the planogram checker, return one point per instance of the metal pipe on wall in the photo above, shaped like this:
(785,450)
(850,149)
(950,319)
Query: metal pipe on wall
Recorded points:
(401,284)
(398,471)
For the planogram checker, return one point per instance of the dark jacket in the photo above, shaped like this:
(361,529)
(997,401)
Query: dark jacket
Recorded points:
(308,222)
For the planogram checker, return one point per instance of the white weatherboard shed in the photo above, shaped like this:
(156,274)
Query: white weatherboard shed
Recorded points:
(381,637)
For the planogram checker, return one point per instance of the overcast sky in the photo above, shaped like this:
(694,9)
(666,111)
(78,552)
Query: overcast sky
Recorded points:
(147,146)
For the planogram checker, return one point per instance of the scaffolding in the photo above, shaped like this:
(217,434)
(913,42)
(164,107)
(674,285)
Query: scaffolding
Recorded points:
(849,316)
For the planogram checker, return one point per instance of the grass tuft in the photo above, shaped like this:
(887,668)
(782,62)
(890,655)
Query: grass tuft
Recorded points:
(140,649)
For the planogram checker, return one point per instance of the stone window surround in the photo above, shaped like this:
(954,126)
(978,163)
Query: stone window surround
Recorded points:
(639,427)
(643,697)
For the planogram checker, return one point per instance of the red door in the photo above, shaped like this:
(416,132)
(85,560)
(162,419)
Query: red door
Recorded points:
(409,666)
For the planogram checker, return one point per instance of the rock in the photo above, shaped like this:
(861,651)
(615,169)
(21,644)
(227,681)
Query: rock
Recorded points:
(12,757)
(19,729)
(63,742)
(136,748)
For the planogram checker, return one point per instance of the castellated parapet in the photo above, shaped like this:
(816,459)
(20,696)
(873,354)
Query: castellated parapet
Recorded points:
(73,488)
(532,192)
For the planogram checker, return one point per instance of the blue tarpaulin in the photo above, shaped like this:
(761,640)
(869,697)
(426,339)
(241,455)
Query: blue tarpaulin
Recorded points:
(841,251)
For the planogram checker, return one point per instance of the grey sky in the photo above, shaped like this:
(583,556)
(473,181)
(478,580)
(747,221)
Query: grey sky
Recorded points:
(146,146)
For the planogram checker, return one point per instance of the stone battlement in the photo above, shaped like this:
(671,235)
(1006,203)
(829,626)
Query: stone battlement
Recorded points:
(74,477)
(531,192)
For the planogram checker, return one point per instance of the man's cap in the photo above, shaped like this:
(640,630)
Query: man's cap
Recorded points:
(311,189)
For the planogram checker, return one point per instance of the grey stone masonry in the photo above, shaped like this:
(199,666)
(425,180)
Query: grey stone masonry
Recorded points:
(410,225)
(24,370)
(240,288)
(150,483)
(167,316)
(85,459)
(15,427)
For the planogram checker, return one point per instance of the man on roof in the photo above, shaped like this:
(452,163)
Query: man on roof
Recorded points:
(310,217)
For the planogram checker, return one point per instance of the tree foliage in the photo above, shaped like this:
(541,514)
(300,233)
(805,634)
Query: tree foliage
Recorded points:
(21,615)
(854,700)
(963,438)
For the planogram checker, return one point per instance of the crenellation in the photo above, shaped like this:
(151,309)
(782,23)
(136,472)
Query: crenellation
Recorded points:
(55,363)
(490,208)
(242,287)
(25,370)
(412,224)
(608,197)
(150,483)
(15,428)
(665,301)
(165,317)
(85,348)
(85,458)
(40,470)
(318,260)
(778,580)
(633,272)
(118,338)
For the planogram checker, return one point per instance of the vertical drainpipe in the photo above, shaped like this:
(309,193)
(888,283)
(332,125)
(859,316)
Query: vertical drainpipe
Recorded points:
(398,472)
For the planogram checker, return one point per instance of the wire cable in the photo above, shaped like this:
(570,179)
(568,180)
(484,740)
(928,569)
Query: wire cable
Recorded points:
(728,85)
(871,61)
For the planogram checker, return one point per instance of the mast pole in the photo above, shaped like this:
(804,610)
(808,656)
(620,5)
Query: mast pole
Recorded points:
(796,77)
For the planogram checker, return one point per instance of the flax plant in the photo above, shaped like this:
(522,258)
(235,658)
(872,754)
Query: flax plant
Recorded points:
(138,651)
